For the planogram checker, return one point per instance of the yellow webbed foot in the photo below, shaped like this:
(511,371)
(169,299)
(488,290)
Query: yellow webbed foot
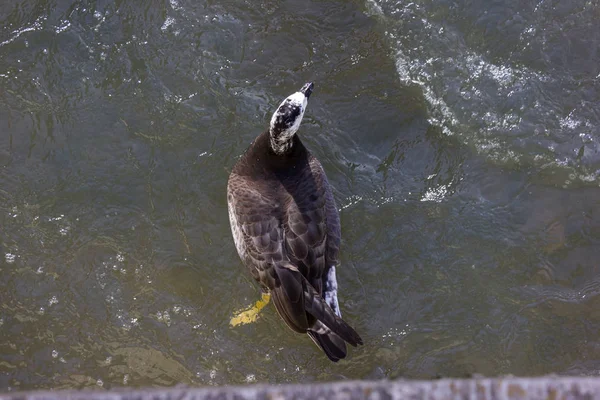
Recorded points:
(250,314)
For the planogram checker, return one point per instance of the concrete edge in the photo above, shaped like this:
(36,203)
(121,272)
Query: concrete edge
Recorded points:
(547,387)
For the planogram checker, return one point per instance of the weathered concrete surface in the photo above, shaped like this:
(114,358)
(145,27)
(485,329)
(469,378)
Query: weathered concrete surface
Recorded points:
(549,387)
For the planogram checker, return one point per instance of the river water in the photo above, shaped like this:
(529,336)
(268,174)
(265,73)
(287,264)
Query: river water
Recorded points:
(462,139)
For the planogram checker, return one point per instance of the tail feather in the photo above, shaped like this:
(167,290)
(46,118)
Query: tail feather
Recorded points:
(332,345)
(316,306)
(294,297)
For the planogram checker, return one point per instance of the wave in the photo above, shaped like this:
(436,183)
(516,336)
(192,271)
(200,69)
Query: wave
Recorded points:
(499,85)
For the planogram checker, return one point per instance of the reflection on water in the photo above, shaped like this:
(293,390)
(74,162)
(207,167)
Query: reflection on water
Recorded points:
(461,140)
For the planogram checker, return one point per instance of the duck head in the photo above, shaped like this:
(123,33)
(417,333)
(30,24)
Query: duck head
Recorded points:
(287,118)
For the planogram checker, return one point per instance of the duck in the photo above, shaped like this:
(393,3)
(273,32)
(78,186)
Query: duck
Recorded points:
(286,228)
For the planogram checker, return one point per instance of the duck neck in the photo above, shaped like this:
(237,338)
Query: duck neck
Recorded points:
(281,142)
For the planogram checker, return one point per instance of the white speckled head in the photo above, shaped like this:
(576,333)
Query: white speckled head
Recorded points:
(287,118)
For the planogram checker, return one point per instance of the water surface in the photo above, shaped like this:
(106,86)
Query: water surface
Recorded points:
(461,139)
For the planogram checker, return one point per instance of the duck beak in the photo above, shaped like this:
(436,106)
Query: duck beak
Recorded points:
(307,89)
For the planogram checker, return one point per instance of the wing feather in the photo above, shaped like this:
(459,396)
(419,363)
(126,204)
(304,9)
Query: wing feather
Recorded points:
(256,227)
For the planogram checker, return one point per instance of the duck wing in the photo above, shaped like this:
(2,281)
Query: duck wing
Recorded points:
(334,228)
(255,221)
(306,223)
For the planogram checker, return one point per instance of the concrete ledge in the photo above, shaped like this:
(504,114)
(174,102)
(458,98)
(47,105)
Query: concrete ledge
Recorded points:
(548,387)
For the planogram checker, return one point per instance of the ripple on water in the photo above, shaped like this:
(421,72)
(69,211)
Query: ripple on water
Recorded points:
(36,25)
(148,309)
(508,111)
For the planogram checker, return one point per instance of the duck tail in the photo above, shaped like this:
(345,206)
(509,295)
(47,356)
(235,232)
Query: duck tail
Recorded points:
(332,345)
(294,297)
(316,306)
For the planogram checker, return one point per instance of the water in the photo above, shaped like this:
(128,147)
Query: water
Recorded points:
(461,139)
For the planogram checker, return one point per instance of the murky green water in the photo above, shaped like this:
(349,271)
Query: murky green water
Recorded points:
(461,138)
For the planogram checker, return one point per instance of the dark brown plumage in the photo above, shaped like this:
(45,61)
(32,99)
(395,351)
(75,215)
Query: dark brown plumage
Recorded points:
(287,232)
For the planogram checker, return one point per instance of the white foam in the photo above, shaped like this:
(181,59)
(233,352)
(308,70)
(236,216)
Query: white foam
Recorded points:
(493,106)
(37,25)
(569,122)
(62,27)
(373,8)
(352,200)
(436,194)
(168,22)
(10,258)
